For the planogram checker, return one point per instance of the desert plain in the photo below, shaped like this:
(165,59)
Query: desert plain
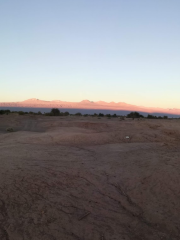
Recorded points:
(81,178)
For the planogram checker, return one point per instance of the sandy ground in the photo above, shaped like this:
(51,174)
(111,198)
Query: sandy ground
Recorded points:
(79,178)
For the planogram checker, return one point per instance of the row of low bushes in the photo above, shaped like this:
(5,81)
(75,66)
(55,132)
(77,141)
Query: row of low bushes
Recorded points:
(96,115)
(4,112)
(149,116)
(56,112)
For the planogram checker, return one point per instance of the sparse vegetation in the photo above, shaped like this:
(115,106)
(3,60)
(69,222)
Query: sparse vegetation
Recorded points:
(66,114)
(55,112)
(21,113)
(149,116)
(78,114)
(134,115)
(4,112)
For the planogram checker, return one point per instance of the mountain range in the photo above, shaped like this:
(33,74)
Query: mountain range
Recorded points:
(86,104)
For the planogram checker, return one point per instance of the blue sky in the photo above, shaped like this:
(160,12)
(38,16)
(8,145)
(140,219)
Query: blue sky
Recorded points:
(110,50)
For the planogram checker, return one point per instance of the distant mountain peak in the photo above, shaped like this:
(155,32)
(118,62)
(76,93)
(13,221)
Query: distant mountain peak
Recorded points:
(31,99)
(86,101)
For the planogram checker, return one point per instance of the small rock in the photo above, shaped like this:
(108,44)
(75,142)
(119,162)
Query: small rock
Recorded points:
(9,130)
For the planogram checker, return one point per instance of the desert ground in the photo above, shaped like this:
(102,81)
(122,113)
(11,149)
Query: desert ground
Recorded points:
(80,178)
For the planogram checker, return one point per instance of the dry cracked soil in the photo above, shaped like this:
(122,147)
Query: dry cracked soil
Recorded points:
(80,178)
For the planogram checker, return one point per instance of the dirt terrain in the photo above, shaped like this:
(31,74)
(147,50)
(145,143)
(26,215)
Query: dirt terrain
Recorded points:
(80,178)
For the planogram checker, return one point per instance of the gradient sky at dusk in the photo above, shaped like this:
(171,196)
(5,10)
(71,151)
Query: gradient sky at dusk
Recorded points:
(110,50)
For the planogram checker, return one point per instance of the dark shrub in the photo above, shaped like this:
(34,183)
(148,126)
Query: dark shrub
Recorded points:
(55,112)
(66,114)
(134,115)
(4,112)
(78,114)
(21,113)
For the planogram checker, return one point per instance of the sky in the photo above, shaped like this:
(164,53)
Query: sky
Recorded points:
(109,50)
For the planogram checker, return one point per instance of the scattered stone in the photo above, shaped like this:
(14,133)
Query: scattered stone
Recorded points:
(9,130)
